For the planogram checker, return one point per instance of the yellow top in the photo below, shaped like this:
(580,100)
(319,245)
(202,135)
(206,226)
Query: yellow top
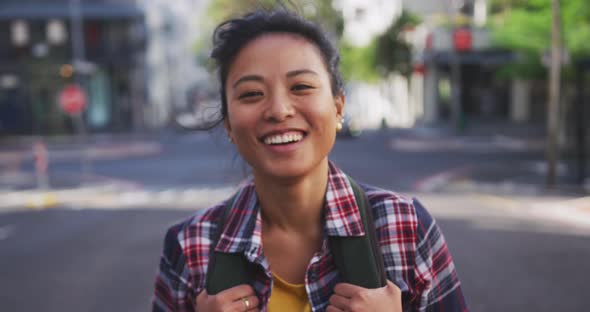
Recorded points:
(286,297)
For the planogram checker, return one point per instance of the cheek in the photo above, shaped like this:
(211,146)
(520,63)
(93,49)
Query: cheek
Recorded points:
(324,115)
(242,122)
(234,116)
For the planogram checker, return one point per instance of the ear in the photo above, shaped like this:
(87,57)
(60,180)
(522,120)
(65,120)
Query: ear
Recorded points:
(339,101)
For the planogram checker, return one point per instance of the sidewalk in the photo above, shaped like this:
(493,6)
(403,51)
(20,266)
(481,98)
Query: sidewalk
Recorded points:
(18,150)
(574,211)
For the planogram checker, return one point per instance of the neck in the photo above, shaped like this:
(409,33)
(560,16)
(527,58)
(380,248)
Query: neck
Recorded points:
(293,204)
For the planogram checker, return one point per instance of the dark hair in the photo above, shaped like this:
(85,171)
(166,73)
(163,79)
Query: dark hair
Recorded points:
(231,36)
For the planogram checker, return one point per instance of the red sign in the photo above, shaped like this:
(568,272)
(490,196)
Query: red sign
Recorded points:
(462,39)
(72,99)
(419,69)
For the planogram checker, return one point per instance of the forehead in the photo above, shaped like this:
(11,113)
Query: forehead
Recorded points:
(277,52)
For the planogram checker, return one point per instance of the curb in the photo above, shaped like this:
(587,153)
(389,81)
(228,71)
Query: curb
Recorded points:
(511,188)
(43,199)
(116,196)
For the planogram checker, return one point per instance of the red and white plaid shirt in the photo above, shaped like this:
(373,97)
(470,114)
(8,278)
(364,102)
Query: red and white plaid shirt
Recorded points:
(414,251)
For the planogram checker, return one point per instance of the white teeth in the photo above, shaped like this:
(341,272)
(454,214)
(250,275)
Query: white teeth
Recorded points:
(283,138)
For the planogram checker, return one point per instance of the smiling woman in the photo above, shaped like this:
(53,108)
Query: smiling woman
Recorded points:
(282,105)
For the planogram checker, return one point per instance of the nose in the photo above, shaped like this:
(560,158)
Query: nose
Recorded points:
(279,107)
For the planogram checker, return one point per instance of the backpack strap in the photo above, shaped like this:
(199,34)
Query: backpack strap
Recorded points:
(226,270)
(359,259)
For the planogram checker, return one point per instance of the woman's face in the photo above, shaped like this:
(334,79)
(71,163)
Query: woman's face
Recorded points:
(282,115)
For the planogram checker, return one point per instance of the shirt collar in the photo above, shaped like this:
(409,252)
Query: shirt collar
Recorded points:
(243,227)
(341,209)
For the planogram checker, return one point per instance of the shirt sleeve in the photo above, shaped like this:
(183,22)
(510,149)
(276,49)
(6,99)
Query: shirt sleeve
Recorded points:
(173,289)
(438,286)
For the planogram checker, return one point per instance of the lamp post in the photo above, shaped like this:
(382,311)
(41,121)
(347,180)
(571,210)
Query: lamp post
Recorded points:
(78,56)
(77,32)
(455,63)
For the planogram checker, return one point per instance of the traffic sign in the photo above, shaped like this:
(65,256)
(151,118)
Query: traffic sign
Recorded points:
(72,99)
(462,39)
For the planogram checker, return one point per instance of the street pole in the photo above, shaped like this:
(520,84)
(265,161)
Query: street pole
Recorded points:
(78,56)
(554,90)
(455,64)
(581,123)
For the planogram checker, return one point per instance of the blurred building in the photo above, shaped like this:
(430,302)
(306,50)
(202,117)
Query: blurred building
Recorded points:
(137,63)
(456,65)
(173,72)
(37,61)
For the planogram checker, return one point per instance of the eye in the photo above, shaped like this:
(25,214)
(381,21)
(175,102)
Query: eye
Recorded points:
(250,94)
(301,87)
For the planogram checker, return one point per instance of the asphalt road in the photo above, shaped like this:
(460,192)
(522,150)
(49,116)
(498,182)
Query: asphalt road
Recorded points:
(64,259)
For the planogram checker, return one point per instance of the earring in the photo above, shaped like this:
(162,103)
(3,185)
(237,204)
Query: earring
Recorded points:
(339,126)
(230,139)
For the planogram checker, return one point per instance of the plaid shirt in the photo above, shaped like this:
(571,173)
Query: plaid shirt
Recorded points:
(414,251)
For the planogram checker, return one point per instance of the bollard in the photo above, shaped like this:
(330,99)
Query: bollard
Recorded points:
(45,198)
(41,165)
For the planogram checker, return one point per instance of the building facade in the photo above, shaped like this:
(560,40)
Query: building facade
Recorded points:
(456,66)
(173,71)
(39,58)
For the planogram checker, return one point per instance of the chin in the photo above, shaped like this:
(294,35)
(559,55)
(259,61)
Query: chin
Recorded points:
(286,169)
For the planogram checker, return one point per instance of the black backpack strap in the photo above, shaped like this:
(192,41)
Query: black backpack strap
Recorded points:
(359,259)
(226,270)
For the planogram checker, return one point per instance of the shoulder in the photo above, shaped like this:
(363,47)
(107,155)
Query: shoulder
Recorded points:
(198,224)
(192,233)
(389,206)
(400,216)
(187,244)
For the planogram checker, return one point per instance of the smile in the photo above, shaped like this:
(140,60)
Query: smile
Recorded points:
(283,138)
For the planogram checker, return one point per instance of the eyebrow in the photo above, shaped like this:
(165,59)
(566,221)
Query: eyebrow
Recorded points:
(300,72)
(258,78)
(247,78)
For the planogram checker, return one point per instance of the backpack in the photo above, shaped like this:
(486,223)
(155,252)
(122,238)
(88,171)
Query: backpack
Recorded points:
(358,259)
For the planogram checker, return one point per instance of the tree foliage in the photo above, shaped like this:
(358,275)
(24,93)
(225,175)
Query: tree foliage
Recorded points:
(387,53)
(393,52)
(358,63)
(525,26)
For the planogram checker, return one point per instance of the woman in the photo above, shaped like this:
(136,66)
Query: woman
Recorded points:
(282,104)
